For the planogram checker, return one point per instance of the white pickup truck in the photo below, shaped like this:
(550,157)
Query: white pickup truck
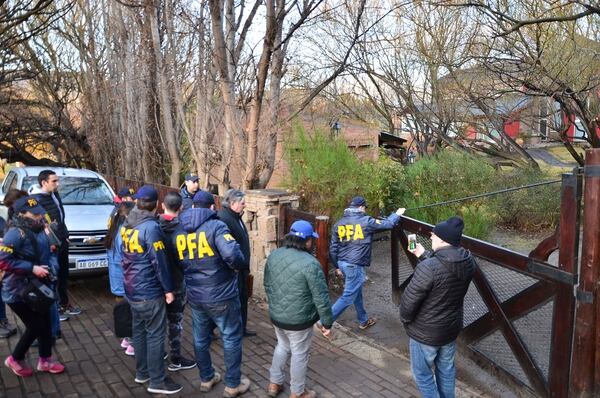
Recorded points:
(88,201)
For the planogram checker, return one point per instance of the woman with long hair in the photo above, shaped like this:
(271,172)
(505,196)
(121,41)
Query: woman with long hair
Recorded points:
(112,243)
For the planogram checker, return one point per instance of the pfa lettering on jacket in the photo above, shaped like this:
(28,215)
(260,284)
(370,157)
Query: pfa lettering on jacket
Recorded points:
(131,242)
(350,232)
(193,246)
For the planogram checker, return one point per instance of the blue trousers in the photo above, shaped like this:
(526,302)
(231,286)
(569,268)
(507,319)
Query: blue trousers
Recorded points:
(427,361)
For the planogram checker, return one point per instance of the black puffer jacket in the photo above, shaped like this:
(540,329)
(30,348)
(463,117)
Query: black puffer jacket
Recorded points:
(52,203)
(432,304)
(168,225)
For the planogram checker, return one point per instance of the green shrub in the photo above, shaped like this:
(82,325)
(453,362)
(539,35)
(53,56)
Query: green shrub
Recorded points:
(326,174)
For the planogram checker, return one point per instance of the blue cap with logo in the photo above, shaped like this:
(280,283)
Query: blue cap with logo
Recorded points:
(303,229)
(191,177)
(28,204)
(147,192)
(203,198)
(358,201)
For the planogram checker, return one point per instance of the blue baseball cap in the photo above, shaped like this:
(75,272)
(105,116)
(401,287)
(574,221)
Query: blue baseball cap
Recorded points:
(203,198)
(147,192)
(191,177)
(28,204)
(358,201)
(303,229)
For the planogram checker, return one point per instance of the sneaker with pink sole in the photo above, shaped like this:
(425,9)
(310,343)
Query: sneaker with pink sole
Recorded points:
(125,343)
(50,366)
(20,368)
(130,351)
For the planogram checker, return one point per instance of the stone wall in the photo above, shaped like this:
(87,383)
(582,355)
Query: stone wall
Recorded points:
(262,219)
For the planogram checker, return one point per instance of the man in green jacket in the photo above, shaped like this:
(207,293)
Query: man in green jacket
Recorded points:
(298,298)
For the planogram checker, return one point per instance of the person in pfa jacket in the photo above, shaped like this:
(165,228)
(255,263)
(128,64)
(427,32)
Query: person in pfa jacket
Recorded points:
(147,282)
(210,258)
(25,254)
(298,297)
(432,308)
(350,253)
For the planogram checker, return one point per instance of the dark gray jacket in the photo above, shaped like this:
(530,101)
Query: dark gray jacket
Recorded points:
(432,304)
(237,228)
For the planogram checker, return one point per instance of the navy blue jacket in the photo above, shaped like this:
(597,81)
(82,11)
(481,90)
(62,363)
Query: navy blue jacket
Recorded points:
(352,235)
(17,258)
(145,266)
(209,255)
(187,199)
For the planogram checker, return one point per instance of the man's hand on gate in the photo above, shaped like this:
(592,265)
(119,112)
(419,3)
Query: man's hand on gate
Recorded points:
(400,211)
(169,297)
(418,251)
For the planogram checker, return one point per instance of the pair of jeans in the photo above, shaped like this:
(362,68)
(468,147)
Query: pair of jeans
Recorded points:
(37,326)
(243,289)
(149,329)
(226,315)
(175,326)
(296,342)
(423,358)
(2,307)
(354,278)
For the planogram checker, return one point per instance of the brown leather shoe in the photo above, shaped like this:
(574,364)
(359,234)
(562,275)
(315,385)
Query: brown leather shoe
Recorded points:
(305,394)
(274,389)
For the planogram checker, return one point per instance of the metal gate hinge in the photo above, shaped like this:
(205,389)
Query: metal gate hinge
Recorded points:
(584,297)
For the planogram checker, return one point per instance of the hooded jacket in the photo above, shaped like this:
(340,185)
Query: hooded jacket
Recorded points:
(209,255)
(17,258)
(431,307)
(168,226)
(352,235)
(238,230)
(144,257)
(52,203)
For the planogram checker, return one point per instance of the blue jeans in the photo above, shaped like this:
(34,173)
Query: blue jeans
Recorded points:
(227,316)
(2,309)
(54,319)
(354,276)
(423,358)
(149,329)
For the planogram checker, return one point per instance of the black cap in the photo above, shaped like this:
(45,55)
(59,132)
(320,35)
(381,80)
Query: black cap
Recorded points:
(147,192)
(125,191)
(28,204)
(358,201)
(450,231)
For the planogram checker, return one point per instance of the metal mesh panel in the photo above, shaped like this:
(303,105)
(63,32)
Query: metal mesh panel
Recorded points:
(535,329)
(505,282)
(473,307)
(497,350)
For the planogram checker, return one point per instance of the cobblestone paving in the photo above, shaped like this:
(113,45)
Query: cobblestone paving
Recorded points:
(98,367)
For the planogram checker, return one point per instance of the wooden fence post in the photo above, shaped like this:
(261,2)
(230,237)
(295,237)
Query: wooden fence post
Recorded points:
(584,346)
(322,228)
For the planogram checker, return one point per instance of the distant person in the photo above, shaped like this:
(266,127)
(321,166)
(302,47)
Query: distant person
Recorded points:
(148,288)
(25,253)
(210,258)
(46,192)
(168,222)
(191,186)
(350,253)
(6,328)
(432,308)
(298,296)
(234,204)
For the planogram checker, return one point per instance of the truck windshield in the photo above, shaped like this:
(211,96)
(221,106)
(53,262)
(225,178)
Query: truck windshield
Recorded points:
(79,190)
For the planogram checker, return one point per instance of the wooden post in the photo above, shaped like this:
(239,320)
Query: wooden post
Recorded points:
(584,345)
(564,304)
(322,228)
(282,222)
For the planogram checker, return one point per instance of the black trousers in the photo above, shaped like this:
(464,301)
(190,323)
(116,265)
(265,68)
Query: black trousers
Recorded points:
(37,326)
(243,288)
(63,274)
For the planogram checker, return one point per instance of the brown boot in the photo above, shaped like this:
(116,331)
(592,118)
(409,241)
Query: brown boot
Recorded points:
(274,389)
(305,394)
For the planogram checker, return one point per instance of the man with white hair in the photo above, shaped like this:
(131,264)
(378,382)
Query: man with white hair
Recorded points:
(234,203)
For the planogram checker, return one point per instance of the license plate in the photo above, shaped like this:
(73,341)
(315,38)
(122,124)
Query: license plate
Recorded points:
(93,263)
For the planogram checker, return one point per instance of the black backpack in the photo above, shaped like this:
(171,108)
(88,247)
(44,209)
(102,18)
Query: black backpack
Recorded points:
(37,294)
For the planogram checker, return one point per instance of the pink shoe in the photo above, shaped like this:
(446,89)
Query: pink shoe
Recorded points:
(50,366)
(125,343)
(130,351)
(20,368)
